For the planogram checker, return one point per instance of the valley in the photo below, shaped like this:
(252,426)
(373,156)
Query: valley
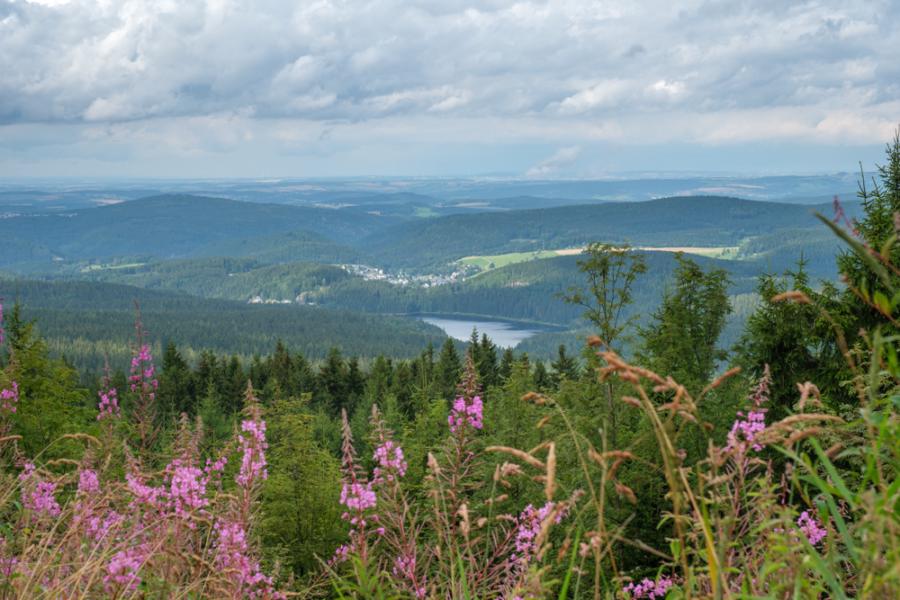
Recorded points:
(323,252)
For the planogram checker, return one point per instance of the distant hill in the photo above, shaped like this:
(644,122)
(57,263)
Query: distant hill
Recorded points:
(223,278)
(678,221)
(175,226)
(85,320)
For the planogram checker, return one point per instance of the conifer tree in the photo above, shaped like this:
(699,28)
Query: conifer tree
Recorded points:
(448,370)
(682,337)
(565,367)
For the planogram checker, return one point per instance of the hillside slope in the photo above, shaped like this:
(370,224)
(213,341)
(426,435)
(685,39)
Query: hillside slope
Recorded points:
(680,221)
(179,226)
(85,320)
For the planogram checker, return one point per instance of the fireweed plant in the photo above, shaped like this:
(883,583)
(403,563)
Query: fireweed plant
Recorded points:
(444,543)
(111,526)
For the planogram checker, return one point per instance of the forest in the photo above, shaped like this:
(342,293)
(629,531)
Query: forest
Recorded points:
(656,461)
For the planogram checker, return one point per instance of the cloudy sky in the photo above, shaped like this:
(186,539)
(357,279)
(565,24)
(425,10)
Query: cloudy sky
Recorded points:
(563,88)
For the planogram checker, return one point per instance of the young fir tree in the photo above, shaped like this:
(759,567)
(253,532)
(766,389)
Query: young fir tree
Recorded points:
(565,367)
(781,335)
(506,365)
(300,509)
(331,385)
(448,370)
(486,364)
(682,337)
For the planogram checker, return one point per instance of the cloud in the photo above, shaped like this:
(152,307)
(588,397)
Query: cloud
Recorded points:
(637,72)
(562,158)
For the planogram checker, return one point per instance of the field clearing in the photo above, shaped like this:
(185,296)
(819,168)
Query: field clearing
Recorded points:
(92,268)
(495,261)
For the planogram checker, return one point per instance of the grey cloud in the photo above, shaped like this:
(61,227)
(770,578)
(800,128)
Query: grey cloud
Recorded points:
(118,61)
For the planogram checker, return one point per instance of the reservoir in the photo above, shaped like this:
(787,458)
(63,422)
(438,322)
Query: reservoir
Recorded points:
(506,334)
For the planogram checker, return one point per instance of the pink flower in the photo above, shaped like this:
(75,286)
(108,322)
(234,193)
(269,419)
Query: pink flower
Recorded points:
(9,398)
(88,482)
(144,494)
(405,568)
(648,588)
(529,524)
(109,403)
(232,557)
(8,564)
(187,489)
(143,372)
(98,527)
(811,528)
(746,429)
(37,494)
(358,497)
(391,464)
(253,463)
(122,570)
(464,413)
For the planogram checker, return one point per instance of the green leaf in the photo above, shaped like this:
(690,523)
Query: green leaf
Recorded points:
(564,590)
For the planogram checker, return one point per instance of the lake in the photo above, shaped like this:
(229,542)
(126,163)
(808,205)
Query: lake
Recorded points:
(506,334)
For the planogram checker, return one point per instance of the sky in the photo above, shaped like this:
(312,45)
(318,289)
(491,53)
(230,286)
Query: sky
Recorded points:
(556,89)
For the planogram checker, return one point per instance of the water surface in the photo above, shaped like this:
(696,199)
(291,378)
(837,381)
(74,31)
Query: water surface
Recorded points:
(506,334)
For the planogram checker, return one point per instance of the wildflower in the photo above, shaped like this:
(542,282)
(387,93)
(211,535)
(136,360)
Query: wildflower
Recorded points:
(811,528)
(391,464)
(648,588)
(9,398)
(405,568)
(147,495)
(187,488)
(357,496)
(528,529)
(8,564)
(466,413)
(232,557)
(98,527)
(143,372)
(37,494)
(213,470)
(88,482)
(746,429)
(122,570)
(109,403)
(253,463)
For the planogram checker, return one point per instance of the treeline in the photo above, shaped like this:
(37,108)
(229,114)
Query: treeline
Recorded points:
(84,321)
(225,278)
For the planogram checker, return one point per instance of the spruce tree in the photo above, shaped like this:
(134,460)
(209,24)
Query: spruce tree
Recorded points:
(448,370)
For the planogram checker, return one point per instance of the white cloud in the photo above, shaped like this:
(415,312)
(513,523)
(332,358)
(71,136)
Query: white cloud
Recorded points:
(562,158)
(556,72)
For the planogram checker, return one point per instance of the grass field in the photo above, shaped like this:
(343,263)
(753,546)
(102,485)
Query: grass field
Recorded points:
(488,262)
(91,268)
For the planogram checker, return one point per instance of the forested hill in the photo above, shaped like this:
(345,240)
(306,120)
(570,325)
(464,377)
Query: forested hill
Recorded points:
(178,226)
(678,221)
(85,320)
(393,236)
